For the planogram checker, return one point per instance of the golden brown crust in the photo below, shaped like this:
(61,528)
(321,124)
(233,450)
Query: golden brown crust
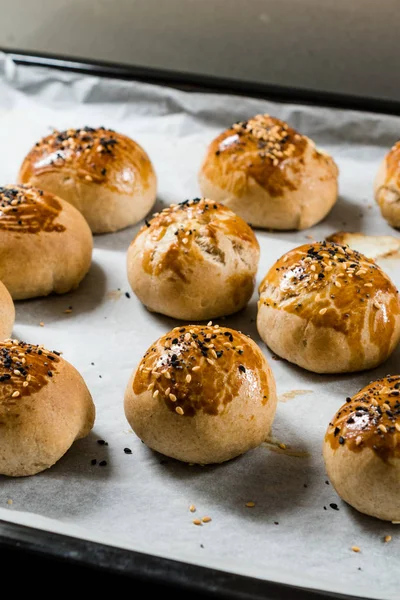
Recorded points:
(202,394)
(45,243)
(173,253)
(332,286)
(201,368)
(387,186)
(24,370)
(370,419)
(25,209)
(263,147)
(269,174)
(106,175)
(7,312)
(45,406)
(100,155)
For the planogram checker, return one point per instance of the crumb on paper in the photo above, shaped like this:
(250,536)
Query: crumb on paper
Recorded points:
(293,394)
(114,294)
(387,538)
(276,445)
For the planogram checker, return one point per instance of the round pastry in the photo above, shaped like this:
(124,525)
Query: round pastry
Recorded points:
(7,313)
(361,450)
(195,261)
(202,395)
(106,175)
(45,243)
(270,175)
(329,309)
(387,186)
(44,407)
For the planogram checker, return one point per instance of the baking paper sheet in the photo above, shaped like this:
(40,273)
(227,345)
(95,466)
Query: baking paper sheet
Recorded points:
(140,501)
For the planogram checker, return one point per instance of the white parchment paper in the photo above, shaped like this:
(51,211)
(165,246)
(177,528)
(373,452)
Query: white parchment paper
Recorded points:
(141,500)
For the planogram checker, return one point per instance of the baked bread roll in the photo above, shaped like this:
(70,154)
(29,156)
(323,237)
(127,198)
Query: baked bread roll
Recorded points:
(195,261)
(106,175)
(45,243)
(202,394)
(387,186)
(361,450)
(270,175)
(329,309)
(7,313)
(44,407)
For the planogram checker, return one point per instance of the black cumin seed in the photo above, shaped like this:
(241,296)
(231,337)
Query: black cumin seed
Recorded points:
(102,463)
(242,369)
(127,451)
(334,506)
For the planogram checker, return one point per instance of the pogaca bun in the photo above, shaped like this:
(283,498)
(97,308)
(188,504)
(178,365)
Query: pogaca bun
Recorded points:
(329,309)
(106,175)
(202,395)
(195,261)
(361,450)
(7,313)
(387,186)
(44,407)
(270,175)
(45,243)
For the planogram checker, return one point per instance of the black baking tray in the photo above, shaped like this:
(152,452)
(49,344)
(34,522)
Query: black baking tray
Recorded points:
(33,555)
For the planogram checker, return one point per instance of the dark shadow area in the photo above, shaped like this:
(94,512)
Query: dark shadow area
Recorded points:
(49,309)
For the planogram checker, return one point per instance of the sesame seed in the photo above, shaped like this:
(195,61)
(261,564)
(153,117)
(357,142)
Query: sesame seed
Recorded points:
(387,538)
(15,394)
(167,374)
(355,549)
(185,240)
(367,284)
(16,372)
(397,425)
(188,378)
(156,394)
(323,311)
(209,323)
(41,324)
(206,519)
(382,428)
(318,298)
(25,384)
(179,410)
(88,178)
(377,305)
(196,522)
(167,391)
(338,284)
(192,508)
(172,397)
(150,386)
(358,440)
(250,504)
(374,401)
(196,368)
(187,337)
(209,361)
